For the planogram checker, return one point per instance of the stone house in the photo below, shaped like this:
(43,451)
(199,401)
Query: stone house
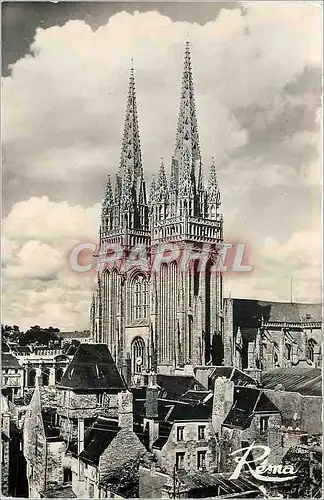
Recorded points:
(13,464)
(43,447)
(89,387)
(12,383)
(106,459)
(47,363)
(5,438)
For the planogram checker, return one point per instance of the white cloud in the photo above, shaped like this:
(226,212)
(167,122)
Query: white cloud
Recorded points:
(39,285)
(63,111)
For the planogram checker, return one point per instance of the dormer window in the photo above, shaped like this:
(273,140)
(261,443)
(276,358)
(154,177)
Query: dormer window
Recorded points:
(100,373)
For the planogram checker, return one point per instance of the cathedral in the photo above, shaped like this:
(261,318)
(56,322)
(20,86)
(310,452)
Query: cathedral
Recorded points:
(170,316)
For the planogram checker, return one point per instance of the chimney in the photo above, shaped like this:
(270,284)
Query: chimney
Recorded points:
(223,401)
(127,370)
(80,435)
(39,378)
(151,419)
(125,410)
(152,392)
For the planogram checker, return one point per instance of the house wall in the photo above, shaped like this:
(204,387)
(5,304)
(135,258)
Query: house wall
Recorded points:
(190,446)
(55,458)
(72,405)
(5,428)
(85,479)
(12,383)
(306,409)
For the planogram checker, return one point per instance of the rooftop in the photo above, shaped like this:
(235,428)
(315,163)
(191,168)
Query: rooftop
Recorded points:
(247,402)
(9,361)
(92,367)
(305,381)
(234,374)
(174,386)
(249,313)
(219,482)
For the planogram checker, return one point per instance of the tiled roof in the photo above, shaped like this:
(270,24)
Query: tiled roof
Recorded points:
(92,368)
(306,381)
(174,386)
(9,361)
(206,480)
(248,313)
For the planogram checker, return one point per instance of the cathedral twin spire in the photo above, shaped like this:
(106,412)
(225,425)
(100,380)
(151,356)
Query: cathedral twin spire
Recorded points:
(186,187)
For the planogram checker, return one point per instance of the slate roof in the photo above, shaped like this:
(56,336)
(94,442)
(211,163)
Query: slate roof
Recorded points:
(164,433)
(247,402)
(194,396)
(206,480)
(305,381)
(22,350)
(186,412)
(9,361)
(174,386)
(248,313)
(234,374)
(97,438)
(92,367)
(58,492)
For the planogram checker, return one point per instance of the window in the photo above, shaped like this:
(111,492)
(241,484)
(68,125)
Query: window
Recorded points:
(139,293)
(264,422)
(180,431)
(91,490)
(201,431)
(201,459)
(311,345)
(100,373)
(288,351)
(180,460)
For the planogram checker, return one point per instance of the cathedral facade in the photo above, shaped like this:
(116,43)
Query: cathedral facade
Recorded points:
(154,319)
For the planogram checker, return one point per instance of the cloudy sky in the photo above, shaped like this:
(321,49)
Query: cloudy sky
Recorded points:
(257,75)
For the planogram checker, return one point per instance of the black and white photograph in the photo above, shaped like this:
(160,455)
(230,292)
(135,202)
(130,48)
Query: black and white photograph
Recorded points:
(161,309)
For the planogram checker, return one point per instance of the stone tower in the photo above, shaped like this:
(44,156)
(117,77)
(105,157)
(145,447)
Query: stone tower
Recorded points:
(165,316)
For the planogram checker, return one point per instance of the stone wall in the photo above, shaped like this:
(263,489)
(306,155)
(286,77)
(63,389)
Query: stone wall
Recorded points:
(307,410)
(5,428)
(55,456)
(190,445)
(124,447)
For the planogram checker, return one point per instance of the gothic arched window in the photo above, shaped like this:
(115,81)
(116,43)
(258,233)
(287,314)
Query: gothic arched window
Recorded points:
(311,345)
(139,293)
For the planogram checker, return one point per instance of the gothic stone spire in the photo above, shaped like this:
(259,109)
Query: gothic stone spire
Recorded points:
(131,157)
(187,137)
(162,185)
(213,193)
